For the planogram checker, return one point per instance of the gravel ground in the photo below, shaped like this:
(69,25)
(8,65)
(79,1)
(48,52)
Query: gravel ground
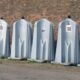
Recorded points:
(24,70)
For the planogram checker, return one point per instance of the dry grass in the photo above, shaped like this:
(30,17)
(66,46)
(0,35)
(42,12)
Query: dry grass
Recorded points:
(43,66)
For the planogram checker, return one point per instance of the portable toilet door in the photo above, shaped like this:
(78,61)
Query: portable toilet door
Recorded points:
(67,51)
(21,39)
(43,41)
(4,38)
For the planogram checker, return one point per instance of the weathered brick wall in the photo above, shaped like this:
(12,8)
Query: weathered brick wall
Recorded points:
(54,10)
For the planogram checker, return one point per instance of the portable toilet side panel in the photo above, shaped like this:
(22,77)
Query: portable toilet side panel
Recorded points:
(67,50)
(4,38)
(43,41)
(21,39)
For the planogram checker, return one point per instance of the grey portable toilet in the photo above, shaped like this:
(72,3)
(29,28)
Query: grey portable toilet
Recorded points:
(21,39)
(67,51)
(43,41)
(4,38)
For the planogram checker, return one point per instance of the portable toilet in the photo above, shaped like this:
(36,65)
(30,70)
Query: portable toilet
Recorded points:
(4,38)
(21,39)
(43,41)
(67,51)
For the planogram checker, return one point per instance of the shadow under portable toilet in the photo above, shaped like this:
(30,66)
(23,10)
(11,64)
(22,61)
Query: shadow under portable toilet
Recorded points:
(4,38)
(21,39)
(67,51)
(43,41)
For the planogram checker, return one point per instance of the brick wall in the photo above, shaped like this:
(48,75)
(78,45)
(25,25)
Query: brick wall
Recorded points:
(54,10)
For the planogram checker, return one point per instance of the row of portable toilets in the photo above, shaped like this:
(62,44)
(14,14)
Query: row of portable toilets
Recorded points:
(39,45)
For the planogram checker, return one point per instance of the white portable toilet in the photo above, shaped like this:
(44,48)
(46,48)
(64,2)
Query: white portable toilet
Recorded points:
(4,38)
(67,51)
(43,41)
(21,39)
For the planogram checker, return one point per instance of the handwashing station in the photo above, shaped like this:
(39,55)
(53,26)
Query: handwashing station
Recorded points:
(43,41)
(67,51)
(21,39)
(4,38)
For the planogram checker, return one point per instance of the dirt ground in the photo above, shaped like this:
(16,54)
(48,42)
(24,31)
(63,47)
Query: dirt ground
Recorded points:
(24,70)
